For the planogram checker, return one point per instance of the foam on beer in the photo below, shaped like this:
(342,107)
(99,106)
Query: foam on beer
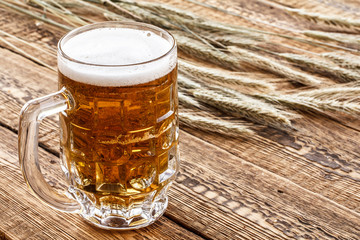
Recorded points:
(116,46)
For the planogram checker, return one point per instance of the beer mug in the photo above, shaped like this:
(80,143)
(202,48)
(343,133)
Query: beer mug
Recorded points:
(118,110)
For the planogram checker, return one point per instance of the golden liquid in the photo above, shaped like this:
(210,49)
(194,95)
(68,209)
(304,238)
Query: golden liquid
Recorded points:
(119,144)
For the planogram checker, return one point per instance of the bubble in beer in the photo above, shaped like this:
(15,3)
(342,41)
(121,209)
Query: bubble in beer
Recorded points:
(112,47)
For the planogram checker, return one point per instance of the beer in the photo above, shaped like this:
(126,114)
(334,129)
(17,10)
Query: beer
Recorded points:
(119,140)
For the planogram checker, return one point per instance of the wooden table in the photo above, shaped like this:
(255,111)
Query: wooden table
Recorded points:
(272,185)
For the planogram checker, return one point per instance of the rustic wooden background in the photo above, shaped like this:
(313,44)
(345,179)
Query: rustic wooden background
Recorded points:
(272,185)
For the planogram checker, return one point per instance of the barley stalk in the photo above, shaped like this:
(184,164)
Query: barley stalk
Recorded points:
(344,59)
(151,18)
(236,41)
(307,103)
(81,20)
(322,67)
(188,101)
(338,37)
(331,20)
(216,27)
(191,20)
(221,76)
(339,93)
(244,106)
(122,10)
(62,13)
(261,23)
(138,13)
(113,17)
(59,10)
(36,16)
(59,5)
(232,13)
(195,48)
(203,23)
(316,17)
(108,14)
(273,66)
(63,3)
(187,83)
(163,8)
(214,125)
(201,38)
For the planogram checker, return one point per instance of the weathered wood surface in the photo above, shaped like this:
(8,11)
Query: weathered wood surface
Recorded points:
(269,186)
(23,217)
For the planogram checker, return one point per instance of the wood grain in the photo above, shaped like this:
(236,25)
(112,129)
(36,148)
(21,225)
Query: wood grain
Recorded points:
(274,185)
(323,158)
(25,217)
(216,192)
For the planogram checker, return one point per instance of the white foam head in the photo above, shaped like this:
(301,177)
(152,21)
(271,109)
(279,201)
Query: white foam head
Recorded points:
(113,56)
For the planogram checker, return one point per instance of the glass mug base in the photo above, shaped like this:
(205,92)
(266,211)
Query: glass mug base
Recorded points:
(107,216)
(118,222)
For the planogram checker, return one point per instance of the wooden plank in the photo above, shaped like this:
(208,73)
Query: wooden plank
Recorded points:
(33,31)
(25,217)
(220,190)
(323,157)
(12,86)
(260,195)
(306,160)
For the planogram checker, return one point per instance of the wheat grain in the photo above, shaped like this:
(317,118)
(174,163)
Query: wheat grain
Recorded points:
(322,67)
(214,125)
(273,66)
(243,106)
(221,76)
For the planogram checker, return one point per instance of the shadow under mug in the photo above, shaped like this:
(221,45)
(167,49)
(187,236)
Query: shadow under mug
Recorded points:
(118,134)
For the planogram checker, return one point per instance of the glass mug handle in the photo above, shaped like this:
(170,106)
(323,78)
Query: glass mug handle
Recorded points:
(31,116)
